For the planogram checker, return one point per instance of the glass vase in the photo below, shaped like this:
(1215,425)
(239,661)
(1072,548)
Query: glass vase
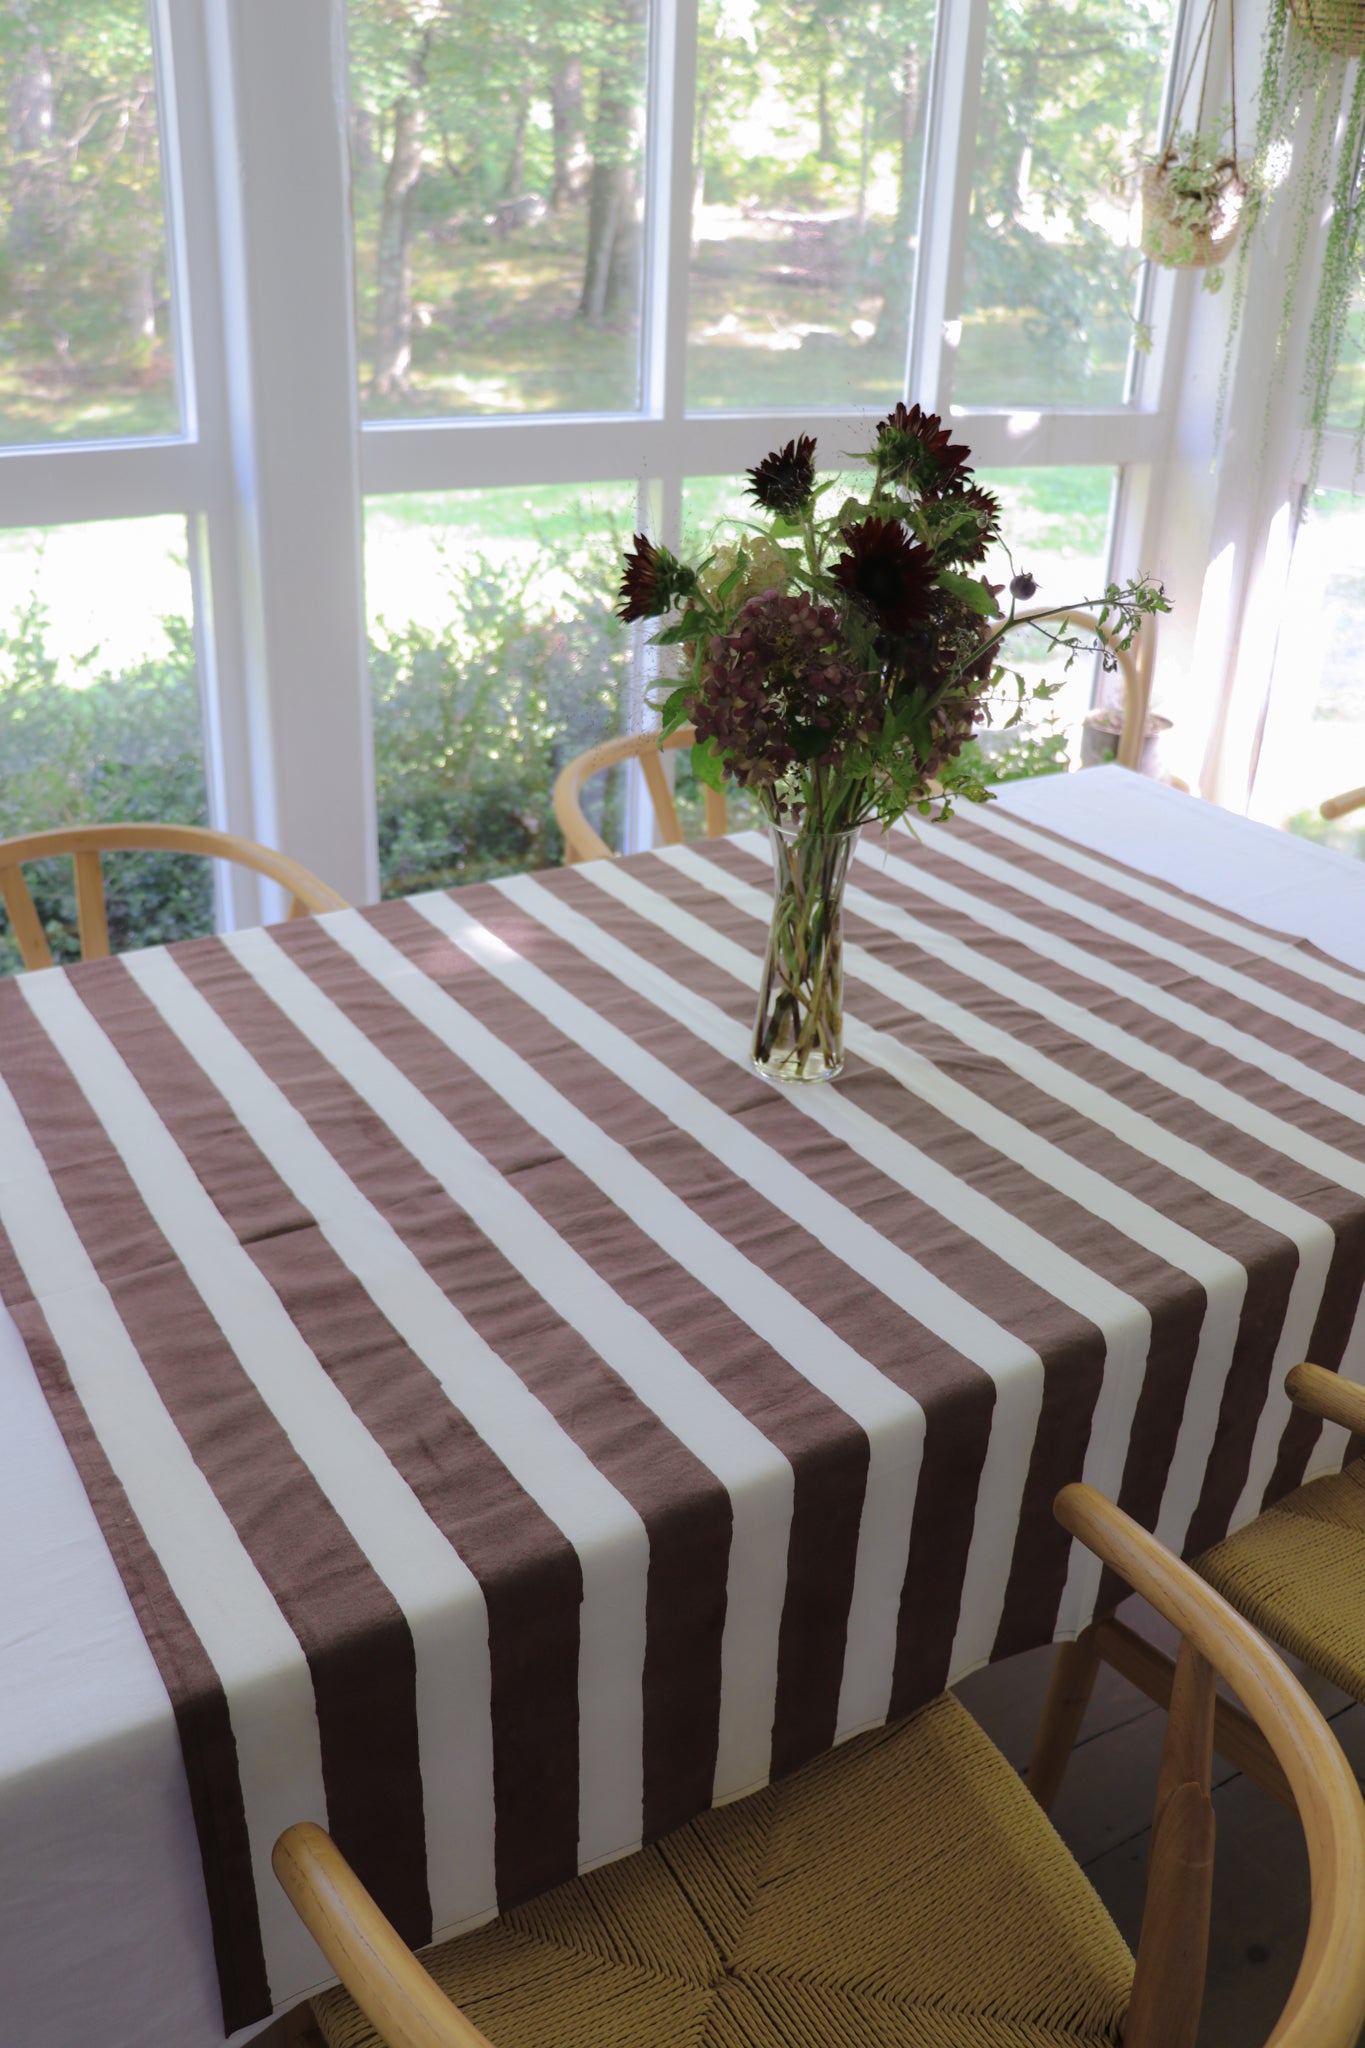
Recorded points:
(799,1029)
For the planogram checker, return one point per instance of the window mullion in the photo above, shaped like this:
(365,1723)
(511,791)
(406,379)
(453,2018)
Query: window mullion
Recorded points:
(279,98)
(945,198)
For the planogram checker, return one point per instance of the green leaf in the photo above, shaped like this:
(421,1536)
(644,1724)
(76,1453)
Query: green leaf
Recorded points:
(673,710)
(708,765)
(971,591)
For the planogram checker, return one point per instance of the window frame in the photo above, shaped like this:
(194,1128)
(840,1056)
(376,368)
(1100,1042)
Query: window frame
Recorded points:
(275,464)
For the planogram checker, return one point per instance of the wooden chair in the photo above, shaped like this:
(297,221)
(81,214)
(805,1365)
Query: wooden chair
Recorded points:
(1136,691)
(904,1888)
(1297,1573)
(86,843)
(580,841)
(1342,806)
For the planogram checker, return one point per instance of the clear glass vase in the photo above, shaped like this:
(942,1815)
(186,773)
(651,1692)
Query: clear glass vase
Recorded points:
(799,1029)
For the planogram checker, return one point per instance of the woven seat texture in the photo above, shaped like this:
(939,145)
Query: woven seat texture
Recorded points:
(905,1892)
(1298,1573)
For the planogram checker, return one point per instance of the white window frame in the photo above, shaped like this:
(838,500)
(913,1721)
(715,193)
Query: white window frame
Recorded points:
(275,463)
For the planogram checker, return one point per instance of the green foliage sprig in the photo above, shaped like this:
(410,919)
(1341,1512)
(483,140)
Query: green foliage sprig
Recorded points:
(842,652)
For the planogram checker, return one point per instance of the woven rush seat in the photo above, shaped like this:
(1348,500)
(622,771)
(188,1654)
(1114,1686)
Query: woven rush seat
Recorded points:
(1298,1573)
(904,1891)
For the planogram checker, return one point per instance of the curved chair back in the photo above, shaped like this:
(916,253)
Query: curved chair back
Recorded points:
(85,843)
(1326,2007)
(1136,690)
(580,841)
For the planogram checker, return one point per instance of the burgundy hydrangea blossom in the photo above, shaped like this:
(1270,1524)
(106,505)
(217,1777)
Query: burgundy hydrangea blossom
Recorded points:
(781,688)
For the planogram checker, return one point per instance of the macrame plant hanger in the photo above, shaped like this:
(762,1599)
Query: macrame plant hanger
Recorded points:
(1168,151)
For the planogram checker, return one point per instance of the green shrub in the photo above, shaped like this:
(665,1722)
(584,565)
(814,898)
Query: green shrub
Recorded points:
(473,720)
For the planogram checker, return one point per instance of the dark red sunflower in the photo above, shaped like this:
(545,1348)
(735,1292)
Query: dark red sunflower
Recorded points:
(888,572)
(653,580)
(966,522)
(915,448)
(783,481)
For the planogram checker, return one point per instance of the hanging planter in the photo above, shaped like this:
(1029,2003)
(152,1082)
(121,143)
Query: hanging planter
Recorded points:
(1192,204)
(1194,192)
(1339,25)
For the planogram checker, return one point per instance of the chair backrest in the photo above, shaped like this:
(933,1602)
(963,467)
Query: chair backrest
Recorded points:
(85,843)
(1136,689)
(580,841)
(1326,2007)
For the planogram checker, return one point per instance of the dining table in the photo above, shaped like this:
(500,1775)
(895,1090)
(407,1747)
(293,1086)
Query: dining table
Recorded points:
(448,1395)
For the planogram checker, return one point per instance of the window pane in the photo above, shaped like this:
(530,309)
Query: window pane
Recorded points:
(1313,746)
(1071,94)
(497,155)
(495,657)
(86,348)
(99,719)
(1346,404)
(810,137)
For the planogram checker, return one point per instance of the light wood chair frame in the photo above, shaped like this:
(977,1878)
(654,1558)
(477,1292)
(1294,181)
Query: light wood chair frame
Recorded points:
(1326,2007)
(85,844)
(1342,806)
(1136,689)
(1110,1641)
(580,841)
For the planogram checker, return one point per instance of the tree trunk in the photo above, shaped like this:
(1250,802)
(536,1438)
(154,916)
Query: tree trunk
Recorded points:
(393,312)
(828,150)
(570,142)
(606,202)
(611,263)
(699,159)
(516,162)
(893,323)
(31,111)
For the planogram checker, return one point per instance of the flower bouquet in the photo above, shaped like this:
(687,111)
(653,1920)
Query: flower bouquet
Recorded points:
(836,661)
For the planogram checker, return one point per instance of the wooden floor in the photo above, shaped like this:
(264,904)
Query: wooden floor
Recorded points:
(1260,1904)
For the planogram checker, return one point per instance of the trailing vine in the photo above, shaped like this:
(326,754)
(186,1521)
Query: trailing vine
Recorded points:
(1311,107)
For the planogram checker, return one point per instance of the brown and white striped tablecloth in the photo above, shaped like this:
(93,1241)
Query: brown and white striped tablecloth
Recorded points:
(518,1426)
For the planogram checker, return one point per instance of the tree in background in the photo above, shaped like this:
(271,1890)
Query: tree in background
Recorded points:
(84,310)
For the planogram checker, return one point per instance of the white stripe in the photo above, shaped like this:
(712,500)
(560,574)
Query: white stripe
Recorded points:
(757,1476)
(821,1357)
(892,1419)
(1283,952)
(1256,994)
(1313,1238)
(258,1660)
(545,1462)
(1124,1321)
(1225,1103)
(434,1588)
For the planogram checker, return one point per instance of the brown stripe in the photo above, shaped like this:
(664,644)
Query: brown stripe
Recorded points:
(520,1557)
(192,1685)
(1175,1301)
(527,1571)
(935,1374)
(350,1629)
(1057,867)
(1047,924)
(827,1451)
(1065,850)
(1189,1120)
(1064,1338)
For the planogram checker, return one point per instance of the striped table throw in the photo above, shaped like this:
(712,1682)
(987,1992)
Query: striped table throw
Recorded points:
(519,1427)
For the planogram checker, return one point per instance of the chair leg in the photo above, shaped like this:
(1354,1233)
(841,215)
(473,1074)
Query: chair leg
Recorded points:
(1068,1696)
